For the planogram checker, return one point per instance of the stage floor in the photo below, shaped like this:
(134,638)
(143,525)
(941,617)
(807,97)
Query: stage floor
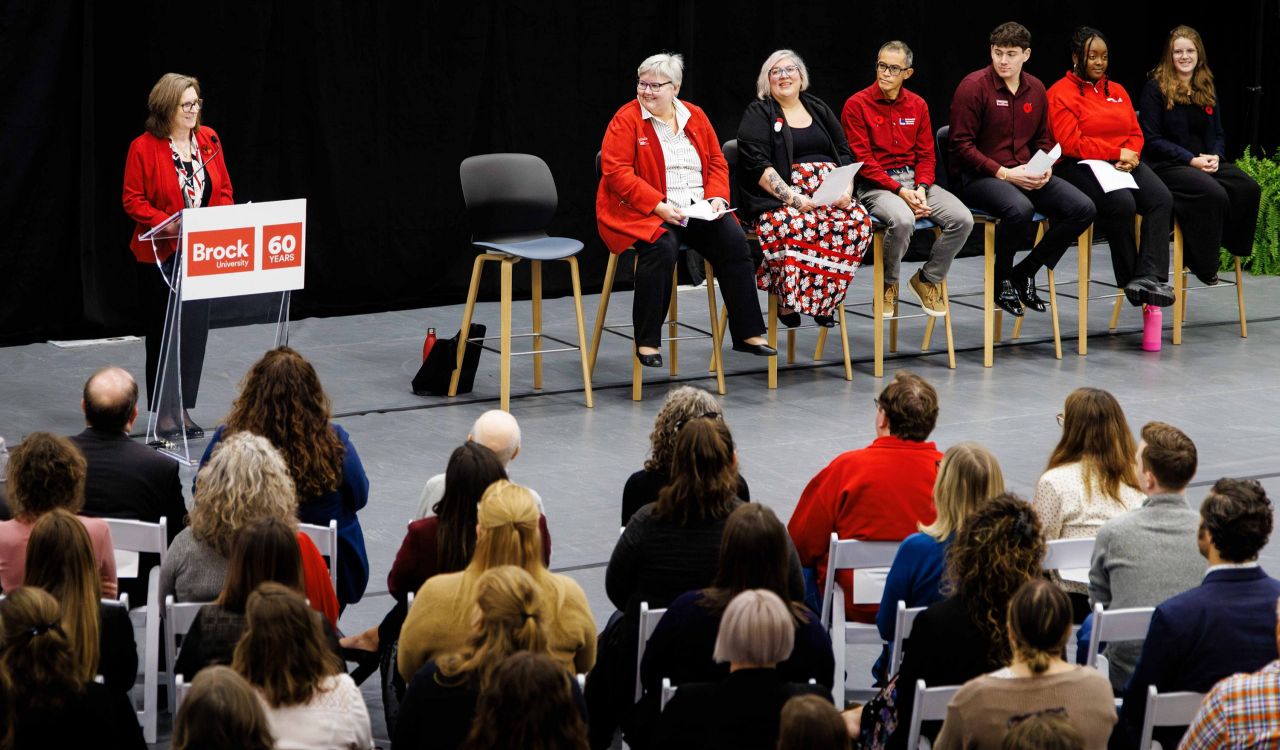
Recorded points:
(1214,386)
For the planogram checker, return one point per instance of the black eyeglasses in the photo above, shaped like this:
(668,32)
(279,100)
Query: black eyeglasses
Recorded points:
(192,106)
(654,87)
(893,70)
(704,415)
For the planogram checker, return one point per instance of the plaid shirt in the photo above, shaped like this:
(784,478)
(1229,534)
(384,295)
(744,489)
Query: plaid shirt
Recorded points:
(1242,711)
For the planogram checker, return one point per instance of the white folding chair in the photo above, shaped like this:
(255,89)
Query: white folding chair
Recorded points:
(142,536)
(850,554)
(181,687)
(1167,710)
(668,692)
(178,617)
(1069,556)
(1117,625)
(326,540)
(902,624)
(930,705)
(649,619)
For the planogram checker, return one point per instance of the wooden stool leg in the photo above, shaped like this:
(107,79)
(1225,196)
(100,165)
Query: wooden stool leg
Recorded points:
(999,325)
(717,338)
(1053,313)
(504,346)
(1115,314)
(1082,288)
(1179,285)
(535,272)
(582,331)
(773,340)
(724,326)
(822,341)
(951,344)
(893,329)
(1017,328)
(476,269)
(988,291)
(637,370)
(844,342)
(791,346)
(673,330)
(1244,327)
(928,334)
(877,303)
(609,270)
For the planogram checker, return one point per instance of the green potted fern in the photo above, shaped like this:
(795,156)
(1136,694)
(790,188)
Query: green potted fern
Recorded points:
(1265,260)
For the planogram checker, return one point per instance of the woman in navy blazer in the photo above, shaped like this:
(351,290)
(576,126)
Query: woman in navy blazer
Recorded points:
(176,164)
(1215,203)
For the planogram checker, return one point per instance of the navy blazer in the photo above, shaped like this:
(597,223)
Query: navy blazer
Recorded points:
(1225,625)
(1165,131)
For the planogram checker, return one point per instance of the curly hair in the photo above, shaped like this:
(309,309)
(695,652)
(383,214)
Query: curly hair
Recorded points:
(46,471)
(681,405)
(282,400)
(245,480)
(42,669)
(998,549)
(511,619)
(529,706)
(1096,434)
(283,651)
(1201,92)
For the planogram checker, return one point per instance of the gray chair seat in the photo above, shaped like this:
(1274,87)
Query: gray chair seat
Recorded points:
(542,248)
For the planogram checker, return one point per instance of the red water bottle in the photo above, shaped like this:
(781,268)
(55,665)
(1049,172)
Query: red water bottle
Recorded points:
(430,342)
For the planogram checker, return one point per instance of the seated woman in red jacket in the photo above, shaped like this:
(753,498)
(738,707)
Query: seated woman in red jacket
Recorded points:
(1093,118)
(660,156)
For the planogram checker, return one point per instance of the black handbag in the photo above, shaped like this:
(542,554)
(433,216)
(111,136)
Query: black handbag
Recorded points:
(434,375)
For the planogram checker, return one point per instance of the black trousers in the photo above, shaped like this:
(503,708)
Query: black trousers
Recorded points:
(153,299)
(1214,210)
(1069,212)
(1130,258)
(721,242)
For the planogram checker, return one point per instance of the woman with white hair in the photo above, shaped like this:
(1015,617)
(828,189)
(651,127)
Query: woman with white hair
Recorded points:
(742,711)
(788,141)
(660,159)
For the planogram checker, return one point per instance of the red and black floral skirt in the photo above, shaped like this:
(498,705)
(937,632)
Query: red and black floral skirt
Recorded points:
(810,258)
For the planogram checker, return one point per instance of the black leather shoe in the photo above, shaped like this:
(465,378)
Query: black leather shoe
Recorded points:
(1028,294)
(790,320)
(1149,291)
(826,321)
(1209,280)
(760,350)
(193,431)
(1007,299)
(649,360)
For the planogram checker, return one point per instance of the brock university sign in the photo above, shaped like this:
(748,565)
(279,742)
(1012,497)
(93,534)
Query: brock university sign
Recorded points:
(246,249)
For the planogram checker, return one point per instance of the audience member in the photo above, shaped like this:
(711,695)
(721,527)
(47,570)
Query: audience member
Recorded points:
(496,430)
(741,711)
(997,550)
(440,620)
(245,480)
(221,712)
(810,722)
(1090,478)
(6,708)
(282,400)
(265,550)
(1036,680)
(528,705)
(100,636)
(47,472)
(1225,625)
(1148,555)
(878,493)
(998,122)
(1240,711)
(1046,730)
(310,702)
(125,479)
(440,703)
(968,477)
(681,405)
(890,133)
(52,707)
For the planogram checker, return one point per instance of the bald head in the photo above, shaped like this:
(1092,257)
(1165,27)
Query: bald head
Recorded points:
(499,432)
(110,400)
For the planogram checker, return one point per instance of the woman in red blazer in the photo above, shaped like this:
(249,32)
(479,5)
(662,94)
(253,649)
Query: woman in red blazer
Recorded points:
(176,164)
(660,157)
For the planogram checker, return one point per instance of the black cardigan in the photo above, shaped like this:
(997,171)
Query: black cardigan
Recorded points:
(1165,131)
(761,147)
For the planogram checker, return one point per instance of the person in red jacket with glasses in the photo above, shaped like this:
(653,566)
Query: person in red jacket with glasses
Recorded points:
(1093,118)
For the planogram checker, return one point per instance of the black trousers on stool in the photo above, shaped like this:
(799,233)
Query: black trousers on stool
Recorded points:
(1116,210)
(1214,210)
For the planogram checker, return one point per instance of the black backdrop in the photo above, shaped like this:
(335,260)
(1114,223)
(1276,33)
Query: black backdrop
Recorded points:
(367,108)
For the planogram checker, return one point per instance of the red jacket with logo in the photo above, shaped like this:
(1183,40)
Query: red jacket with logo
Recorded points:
(1095,124)
(887,134)
(151,190)
(634,175)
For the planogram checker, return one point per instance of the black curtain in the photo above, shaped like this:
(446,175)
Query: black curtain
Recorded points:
(367,109)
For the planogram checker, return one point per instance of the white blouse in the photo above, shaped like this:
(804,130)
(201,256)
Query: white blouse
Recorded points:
(1067,509)
(335,718)
(684,166)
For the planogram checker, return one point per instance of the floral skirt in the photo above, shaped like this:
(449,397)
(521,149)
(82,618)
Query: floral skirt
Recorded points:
(810,258)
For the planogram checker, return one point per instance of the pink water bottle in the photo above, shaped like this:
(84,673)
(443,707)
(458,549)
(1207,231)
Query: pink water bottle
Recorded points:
(1152,323)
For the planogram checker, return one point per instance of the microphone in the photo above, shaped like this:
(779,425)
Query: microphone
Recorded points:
(203,163)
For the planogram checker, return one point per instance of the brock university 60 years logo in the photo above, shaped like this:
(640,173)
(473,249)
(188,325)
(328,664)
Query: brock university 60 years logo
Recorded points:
(221,251)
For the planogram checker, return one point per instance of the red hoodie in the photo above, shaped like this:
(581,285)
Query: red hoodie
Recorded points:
(1095,124)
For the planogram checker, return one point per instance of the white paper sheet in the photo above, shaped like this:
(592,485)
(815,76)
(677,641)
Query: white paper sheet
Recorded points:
(835,183)
(704,210)
(1109,177)
(1041,162)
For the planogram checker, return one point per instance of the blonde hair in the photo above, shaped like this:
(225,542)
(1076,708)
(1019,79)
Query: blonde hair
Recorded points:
(164,98)
(666,64)
(968,476)
(756,628)
(245,480)
(60,561)
(512,620)
(762,80)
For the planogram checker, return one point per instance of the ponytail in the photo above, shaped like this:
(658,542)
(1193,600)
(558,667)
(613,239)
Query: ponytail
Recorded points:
(1039,623)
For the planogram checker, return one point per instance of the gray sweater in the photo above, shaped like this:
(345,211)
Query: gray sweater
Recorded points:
(192,570)
(1140,559)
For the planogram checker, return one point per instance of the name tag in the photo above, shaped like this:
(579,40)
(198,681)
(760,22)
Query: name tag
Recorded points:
(906,121)
(1002,102)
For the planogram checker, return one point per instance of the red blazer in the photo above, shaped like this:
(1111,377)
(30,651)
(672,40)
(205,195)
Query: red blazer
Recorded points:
(151,192)
(315,578)
(634,175)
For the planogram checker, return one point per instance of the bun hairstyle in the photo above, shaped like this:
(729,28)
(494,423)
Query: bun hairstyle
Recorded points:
(42,670)
(1039,623)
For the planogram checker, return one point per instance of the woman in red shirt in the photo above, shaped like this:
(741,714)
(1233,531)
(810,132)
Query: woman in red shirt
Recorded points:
(176,164)
(660,157)
(1093,118)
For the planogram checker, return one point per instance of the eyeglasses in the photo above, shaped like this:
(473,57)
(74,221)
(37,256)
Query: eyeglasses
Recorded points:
(791,71)
(704,415)
(647,86)
(876,403)
(1062,419)
(192,106)
(893,70)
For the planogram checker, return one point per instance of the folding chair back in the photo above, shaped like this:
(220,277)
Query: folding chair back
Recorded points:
(668,692)
(1129,624)
(903,622)
(142,536)
(181,687)
(1068,554)
(326,540)
(852,554)
(178,618)
(1167,710)
(649,619)
(930,705)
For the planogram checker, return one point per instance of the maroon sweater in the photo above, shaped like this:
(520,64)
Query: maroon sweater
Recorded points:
(416,560)
(993,128)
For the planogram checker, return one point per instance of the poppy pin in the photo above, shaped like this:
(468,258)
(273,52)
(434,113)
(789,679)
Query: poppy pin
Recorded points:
(1027,107)
(879,120)
(777,126)
(1208,110)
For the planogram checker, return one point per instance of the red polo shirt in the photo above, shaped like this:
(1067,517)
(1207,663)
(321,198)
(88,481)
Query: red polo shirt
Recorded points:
(888,134)
(992,127)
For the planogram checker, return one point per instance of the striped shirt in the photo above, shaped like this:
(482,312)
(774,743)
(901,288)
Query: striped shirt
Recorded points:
(684,167)
(1242,711)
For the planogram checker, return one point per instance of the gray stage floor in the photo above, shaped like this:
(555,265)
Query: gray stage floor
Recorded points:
(1215,386)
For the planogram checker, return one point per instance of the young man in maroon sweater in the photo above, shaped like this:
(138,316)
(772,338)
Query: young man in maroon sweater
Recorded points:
(878,493)
(889,132)
(998,121)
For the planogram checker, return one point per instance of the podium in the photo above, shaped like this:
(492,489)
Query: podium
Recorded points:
(234,267)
